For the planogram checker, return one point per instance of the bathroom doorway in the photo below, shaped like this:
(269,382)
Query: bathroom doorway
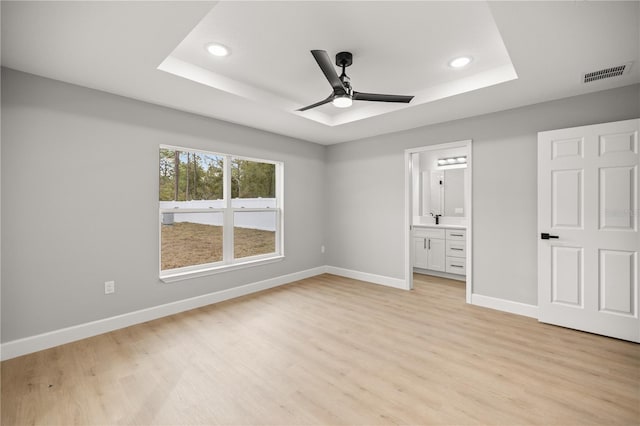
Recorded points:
(438,212)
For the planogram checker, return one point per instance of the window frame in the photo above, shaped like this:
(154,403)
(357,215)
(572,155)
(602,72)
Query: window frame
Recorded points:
(228,262)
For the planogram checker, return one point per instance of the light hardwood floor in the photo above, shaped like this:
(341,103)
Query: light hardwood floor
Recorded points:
(330,350)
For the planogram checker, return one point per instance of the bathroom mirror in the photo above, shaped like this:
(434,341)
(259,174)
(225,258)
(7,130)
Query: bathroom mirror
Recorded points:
(443,192)
(454,192)
(436,192)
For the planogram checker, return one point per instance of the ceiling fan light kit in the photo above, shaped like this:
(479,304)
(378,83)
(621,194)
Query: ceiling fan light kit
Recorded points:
(343,94)
(343,101)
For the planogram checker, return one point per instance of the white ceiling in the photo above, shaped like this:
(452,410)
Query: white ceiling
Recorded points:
(398,48)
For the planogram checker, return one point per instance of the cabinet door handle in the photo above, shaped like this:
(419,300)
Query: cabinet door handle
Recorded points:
(429,243)
(455,266)
(458,249)
(424,240)
(456,235)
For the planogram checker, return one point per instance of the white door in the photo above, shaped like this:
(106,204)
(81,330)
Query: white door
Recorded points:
(588,207)
(435,254)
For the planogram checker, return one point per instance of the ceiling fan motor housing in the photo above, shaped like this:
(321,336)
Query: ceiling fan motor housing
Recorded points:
(344,59)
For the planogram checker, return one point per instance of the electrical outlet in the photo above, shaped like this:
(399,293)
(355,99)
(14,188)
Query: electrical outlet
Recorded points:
(321,249)
(109,287)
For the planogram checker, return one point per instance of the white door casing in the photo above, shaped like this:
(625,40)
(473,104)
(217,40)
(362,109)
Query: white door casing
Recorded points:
(588,197)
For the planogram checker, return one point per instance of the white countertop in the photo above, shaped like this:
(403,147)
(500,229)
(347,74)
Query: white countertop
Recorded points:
(440,226)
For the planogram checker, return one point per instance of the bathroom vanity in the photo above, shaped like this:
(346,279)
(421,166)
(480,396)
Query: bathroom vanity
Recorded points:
(440,206)
(441,248)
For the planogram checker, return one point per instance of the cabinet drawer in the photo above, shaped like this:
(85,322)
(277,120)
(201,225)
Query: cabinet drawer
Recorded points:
(428,233)
(456,248)
(456,265)
(456,234)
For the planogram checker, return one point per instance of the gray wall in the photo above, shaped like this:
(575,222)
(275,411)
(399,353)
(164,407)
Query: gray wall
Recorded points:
(79,198)
(80,202)
(365,190)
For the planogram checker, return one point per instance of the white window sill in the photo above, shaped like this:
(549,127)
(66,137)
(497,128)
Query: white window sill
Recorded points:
(179,276)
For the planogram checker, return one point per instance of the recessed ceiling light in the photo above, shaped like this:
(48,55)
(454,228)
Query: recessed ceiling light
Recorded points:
(342,101)
(460,62)
(217,49)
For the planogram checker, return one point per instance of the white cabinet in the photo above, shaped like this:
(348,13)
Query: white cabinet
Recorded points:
(435,254)
(429,249)
(420,252)
(456,251)
(440,249)
(456,234)
(456,265)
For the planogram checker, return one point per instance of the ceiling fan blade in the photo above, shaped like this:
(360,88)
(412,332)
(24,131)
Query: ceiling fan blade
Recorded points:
(325,64)
(357,96)
(317,104)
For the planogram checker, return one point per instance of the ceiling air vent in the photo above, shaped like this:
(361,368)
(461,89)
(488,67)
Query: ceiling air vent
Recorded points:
(606,73)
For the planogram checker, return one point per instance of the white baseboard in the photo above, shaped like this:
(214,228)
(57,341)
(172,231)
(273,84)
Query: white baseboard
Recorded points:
(365,276)
(42,341)
(505,305)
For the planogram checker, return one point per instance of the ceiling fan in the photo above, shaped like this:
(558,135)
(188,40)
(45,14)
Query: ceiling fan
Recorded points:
(343,94)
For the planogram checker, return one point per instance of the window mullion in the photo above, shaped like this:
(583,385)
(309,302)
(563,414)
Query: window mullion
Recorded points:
(280,209)
(227,230)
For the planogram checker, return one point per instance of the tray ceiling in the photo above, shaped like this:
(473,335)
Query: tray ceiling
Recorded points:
(399,48)
(154,52)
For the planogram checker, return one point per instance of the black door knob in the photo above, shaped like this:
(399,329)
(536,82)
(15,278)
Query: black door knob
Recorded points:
(545,236)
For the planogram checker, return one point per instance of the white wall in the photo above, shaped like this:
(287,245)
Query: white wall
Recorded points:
(80,202)
(365,190)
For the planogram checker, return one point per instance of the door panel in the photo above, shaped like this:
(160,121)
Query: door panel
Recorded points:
(617,198)
(588,198)
(566,279)
(617,282)
(567,148)
(567,198)
(621,142)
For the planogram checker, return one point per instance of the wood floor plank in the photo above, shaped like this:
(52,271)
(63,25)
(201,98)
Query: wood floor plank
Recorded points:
(331,350)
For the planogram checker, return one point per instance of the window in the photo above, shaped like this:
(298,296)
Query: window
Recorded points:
(217,211)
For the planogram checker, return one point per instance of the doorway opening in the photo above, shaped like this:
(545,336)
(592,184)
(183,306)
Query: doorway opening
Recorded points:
(438,212)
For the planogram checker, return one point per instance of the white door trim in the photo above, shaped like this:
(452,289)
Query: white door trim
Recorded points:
(408,209)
